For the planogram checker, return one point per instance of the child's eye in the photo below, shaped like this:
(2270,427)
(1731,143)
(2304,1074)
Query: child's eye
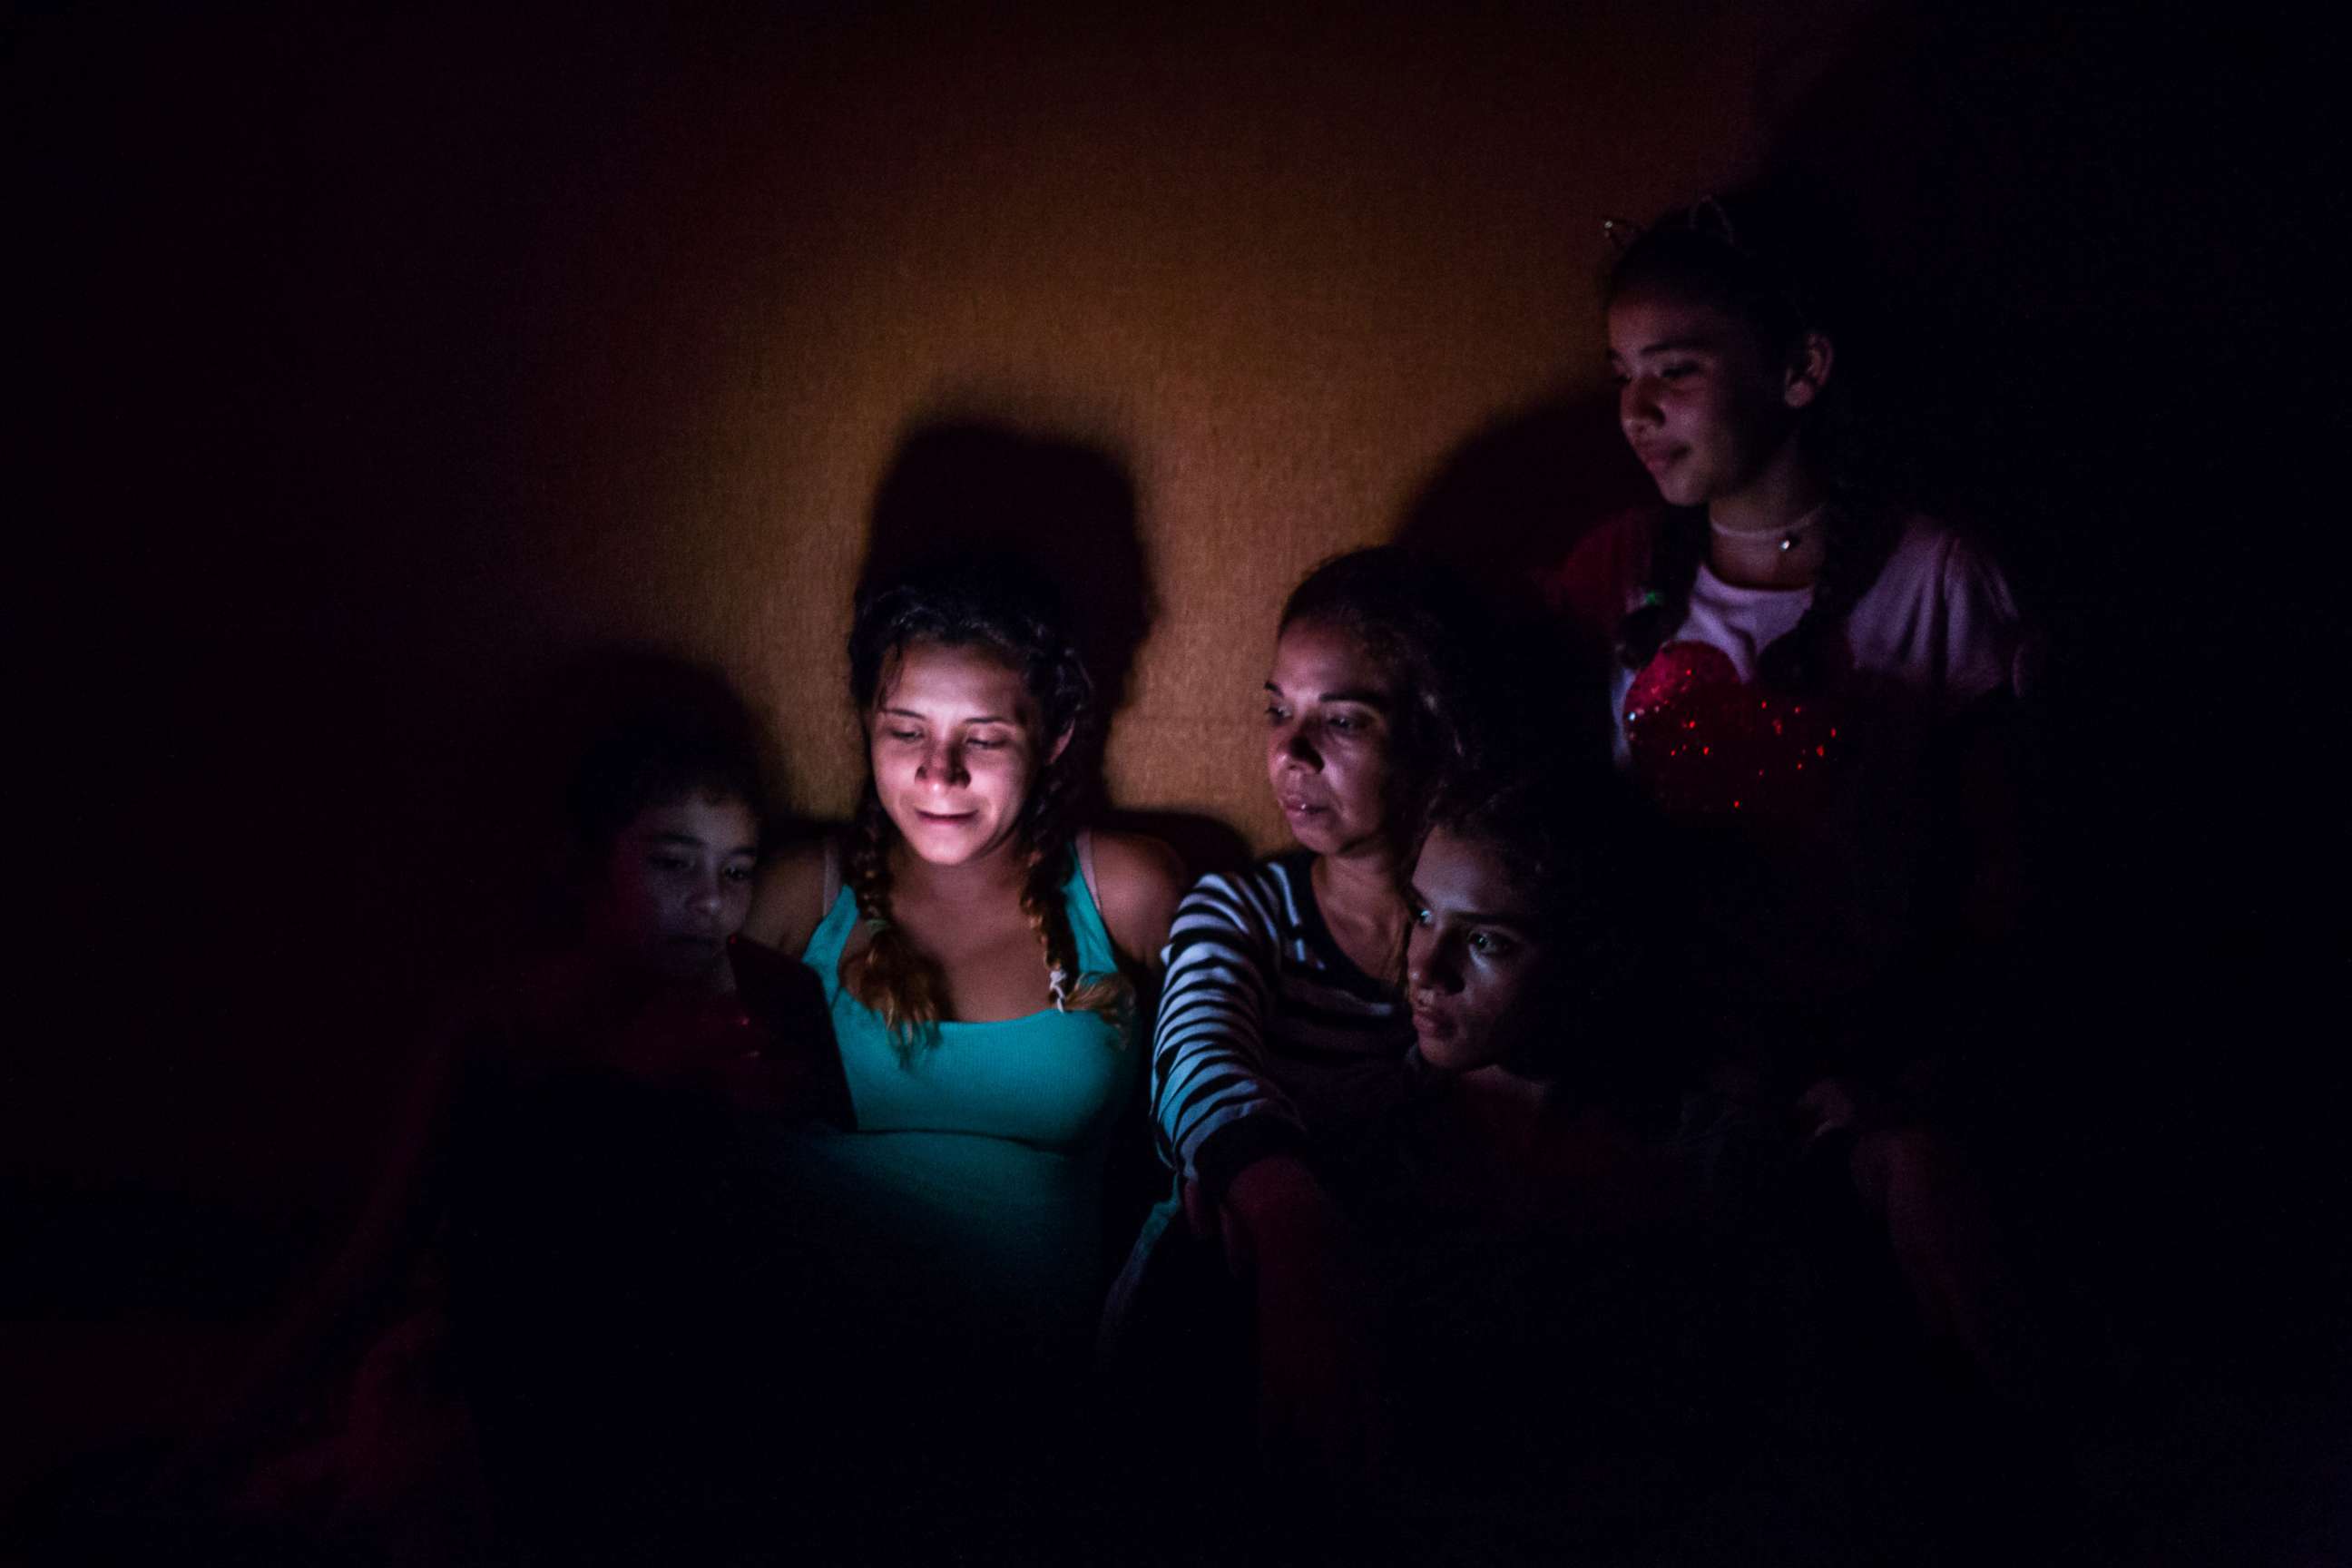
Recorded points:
(1420,915)
(995,744)
(1680,371)
(904,735)
(1276,713)
(1490,944)
(739,873)
(670,863)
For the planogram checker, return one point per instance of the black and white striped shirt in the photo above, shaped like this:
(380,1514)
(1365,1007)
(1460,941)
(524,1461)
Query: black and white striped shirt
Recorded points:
(1269,1037)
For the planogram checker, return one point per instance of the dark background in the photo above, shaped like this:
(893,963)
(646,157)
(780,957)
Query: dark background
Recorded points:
(368,370)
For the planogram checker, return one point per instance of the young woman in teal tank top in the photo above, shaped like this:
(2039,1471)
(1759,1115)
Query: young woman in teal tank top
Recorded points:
(981,961)
(984,1145)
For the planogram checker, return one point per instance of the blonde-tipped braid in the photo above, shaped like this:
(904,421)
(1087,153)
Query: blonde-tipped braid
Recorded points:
(1049,916)
(885,972)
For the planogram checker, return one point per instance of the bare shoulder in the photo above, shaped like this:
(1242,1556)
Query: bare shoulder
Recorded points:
(1138,881)
(787,905)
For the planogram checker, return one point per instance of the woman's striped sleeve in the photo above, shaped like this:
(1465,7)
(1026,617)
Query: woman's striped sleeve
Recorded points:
(1215,1107)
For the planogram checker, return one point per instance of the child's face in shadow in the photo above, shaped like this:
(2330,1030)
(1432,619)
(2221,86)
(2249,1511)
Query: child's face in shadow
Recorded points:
(676,885)
(1328,712)
(1475,957)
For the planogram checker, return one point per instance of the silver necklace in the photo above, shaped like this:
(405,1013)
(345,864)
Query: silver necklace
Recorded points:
(1787,536)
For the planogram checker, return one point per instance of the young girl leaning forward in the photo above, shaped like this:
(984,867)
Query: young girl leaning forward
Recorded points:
(1574,1243)
(548,1242)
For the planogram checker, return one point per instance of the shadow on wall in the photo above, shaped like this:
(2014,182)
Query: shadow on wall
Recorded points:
(963,487)
(1504,510)
(1509,502)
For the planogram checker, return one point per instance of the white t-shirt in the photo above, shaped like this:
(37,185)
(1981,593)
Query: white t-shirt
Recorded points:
(1837,781)
(1936,631)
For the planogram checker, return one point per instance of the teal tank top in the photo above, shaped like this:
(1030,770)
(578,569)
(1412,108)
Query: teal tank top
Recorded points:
(970,1190)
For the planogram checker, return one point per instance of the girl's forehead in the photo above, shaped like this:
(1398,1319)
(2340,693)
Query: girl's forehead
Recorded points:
(1476,870)
(724,822)
(962,676)
(1646,320)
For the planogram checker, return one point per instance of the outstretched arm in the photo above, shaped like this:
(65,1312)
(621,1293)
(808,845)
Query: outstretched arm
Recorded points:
(1239,1144)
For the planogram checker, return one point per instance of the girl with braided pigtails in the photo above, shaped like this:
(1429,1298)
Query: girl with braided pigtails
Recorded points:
(981,956)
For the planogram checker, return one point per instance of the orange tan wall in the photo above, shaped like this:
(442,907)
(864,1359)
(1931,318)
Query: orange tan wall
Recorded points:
(1277,269)
(386,364)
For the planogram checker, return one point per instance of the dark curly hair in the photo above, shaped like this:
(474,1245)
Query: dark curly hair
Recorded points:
(994,605)
(1759,260)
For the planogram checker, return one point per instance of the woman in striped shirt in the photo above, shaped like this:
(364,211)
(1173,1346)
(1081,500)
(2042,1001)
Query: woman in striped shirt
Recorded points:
(1282,1034)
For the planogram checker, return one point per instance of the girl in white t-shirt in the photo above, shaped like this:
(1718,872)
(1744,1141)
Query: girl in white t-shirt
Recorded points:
(1809,681)
(1802,671)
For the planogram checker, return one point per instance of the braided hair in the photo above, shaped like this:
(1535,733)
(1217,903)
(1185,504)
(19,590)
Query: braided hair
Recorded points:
(1744,255)
(994,605)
